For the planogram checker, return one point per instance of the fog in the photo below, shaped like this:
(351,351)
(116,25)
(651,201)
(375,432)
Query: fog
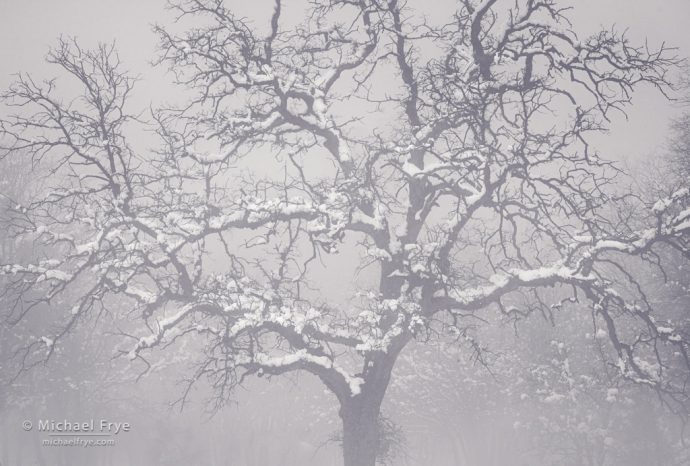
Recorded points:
(529,378)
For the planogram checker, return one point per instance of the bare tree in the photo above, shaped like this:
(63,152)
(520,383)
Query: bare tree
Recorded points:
(453,158)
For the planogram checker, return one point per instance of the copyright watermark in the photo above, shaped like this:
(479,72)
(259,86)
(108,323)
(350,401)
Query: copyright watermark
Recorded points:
(71,433)
(78,442)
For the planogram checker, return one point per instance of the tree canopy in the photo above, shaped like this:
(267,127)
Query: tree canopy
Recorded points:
(452,160)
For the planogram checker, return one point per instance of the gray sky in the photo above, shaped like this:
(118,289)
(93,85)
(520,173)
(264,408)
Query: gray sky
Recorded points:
(29,27)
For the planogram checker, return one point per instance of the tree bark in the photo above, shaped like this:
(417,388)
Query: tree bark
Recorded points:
(360,414)
(361,436)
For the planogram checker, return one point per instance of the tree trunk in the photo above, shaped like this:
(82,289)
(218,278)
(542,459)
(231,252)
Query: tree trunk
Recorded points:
(360,414)
(360,432)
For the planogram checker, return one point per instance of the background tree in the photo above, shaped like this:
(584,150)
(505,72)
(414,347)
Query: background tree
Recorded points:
(452,158)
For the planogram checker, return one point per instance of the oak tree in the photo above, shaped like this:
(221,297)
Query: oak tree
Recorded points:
(451,159)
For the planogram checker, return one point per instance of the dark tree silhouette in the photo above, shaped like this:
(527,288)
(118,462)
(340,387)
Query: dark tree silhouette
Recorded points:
(453,158)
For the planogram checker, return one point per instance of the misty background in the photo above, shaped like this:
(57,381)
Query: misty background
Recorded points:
(446,408)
